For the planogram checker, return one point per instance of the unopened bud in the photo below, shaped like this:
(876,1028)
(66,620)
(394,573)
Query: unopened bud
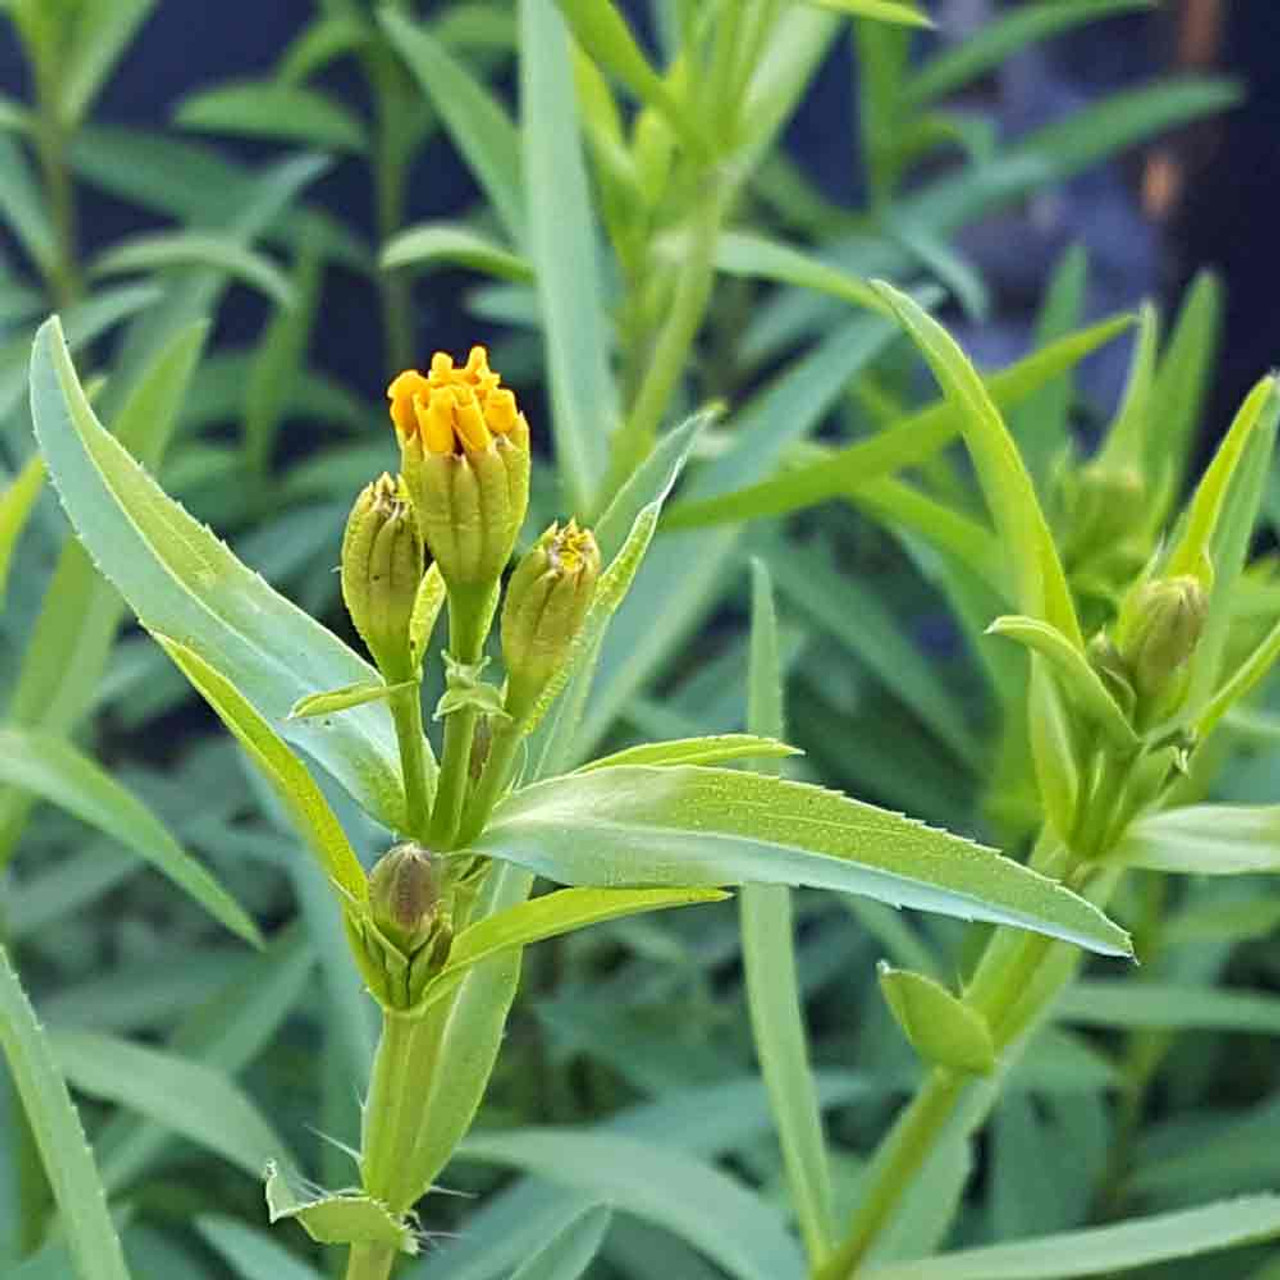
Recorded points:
(1160,629)
(382,568)
(404,896)
(1104,507)
(547,599)
(464,448)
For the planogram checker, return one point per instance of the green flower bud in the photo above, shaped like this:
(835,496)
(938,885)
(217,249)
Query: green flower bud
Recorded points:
(464,448)
(382,568)
(404,895)
(1159,630)
(1104,508)
(547,599)
(403,938)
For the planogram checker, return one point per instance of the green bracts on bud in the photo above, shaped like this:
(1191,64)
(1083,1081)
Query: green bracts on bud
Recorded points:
(403,938)
(547,599)
(1160,627)
(382,568)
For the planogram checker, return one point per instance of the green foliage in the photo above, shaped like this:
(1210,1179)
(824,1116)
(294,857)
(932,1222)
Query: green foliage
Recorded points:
(728,377)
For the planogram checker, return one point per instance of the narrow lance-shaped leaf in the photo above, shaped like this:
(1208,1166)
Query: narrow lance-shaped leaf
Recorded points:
(569,1253)
(550,916)
(998,39)
(1126,443)
(166,250)
(690,825)
(16,504)
(293,785)
(189,586)
(891,11)
(1079,681)
(433,244)
(773,988)
(344,1217)
(713,749)
(64,1151)
(261,108)
(58,772)
(562,245)
(1205,840)
(1191,550)
(1007,486)
(1101,1251)
(906,443)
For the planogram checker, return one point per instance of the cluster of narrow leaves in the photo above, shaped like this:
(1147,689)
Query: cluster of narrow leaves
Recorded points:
(656,1137)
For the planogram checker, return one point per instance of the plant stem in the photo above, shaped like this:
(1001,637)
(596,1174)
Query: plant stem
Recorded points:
(400,1083)
(1017,978)
(370,1262)
(896,1164)
(406,711)
(502,754)
(470,614)
(61,274)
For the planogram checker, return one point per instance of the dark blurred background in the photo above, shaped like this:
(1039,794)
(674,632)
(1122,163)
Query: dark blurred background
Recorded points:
(1208,197)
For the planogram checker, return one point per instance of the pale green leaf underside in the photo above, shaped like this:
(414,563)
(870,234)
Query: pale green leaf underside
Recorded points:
(445,243)
(1104,1251)
(59,773)
(354,695)
(186,583)
(686,825)
(66,1155)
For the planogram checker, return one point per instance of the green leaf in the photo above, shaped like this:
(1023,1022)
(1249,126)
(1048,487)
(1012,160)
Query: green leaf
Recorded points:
(323,41)
(197,1101)
(22,207)
(188,585)
(903,15)
(570,1252)
(603,33)
(476,122)
(693,1200)
(1190,552)
(1205,840)
(906,443)
(251,1254)
(753,256)
(1129,438)
(774,998)
(1246,677)
(354,695)
(58,772)
(563,249)
(1041,425)
(279,363)
(1182,379)
(1101,1002)
(168,250)
(550,916)
(942,1029)
(448,243)
(263,109)
(1104,1251)
(100,36)
(995,41)
(292,783)
(64,1151)
(16,504)
(689,825)
(1081,686)
(713,749)
(1042,585)
(342,1217)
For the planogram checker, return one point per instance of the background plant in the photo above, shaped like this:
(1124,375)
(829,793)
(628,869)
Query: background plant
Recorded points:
(594,1032)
